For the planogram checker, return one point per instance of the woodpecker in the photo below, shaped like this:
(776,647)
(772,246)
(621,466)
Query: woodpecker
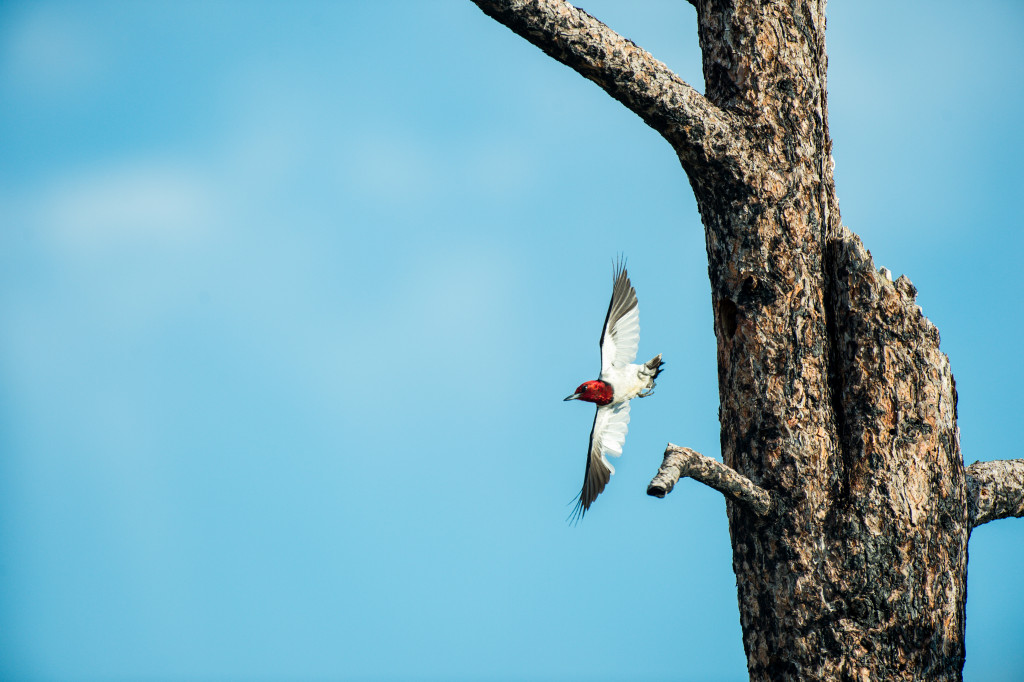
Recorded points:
(620,381)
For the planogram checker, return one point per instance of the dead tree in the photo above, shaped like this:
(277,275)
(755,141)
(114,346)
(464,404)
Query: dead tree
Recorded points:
(849,505)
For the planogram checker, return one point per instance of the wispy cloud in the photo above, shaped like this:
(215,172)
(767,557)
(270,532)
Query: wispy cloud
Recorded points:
(146,203)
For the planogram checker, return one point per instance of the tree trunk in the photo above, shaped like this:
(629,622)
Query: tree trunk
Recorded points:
(849,505)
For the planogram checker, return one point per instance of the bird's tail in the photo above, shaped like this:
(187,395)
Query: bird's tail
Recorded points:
(651,369)
(654,367)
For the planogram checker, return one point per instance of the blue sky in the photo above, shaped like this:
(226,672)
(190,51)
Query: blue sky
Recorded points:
(291,295)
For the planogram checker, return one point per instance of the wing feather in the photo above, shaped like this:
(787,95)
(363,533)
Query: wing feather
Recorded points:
(620,336)
(611,422)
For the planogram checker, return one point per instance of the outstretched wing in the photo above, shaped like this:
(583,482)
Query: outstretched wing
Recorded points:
(621,334)
(606,438)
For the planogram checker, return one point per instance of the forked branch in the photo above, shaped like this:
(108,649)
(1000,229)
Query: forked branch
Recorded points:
(686,463)
(995,490)
(699,131)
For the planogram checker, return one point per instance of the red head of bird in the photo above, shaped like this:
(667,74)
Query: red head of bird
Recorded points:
(596,391)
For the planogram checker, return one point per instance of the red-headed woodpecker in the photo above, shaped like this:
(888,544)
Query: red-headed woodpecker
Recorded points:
(620,381)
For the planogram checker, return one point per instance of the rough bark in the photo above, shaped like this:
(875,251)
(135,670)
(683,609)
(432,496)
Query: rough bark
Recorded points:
(705,136)
(686,463)
(995,490)
(835,400)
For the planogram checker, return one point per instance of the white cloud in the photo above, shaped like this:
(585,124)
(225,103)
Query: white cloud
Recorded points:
(135,203)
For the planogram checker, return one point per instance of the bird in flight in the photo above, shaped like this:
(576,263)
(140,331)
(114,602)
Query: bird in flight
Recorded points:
(619,382)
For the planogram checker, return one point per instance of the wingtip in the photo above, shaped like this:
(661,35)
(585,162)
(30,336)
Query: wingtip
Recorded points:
(618,267)
(577,513)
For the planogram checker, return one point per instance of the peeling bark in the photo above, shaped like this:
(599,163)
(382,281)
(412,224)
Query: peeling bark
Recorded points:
(849,506)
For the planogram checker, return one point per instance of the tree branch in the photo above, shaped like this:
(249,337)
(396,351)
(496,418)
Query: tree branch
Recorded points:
(684,462)
(700,132)
(995,490)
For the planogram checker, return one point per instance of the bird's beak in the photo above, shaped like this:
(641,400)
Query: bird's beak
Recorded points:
(574,396)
